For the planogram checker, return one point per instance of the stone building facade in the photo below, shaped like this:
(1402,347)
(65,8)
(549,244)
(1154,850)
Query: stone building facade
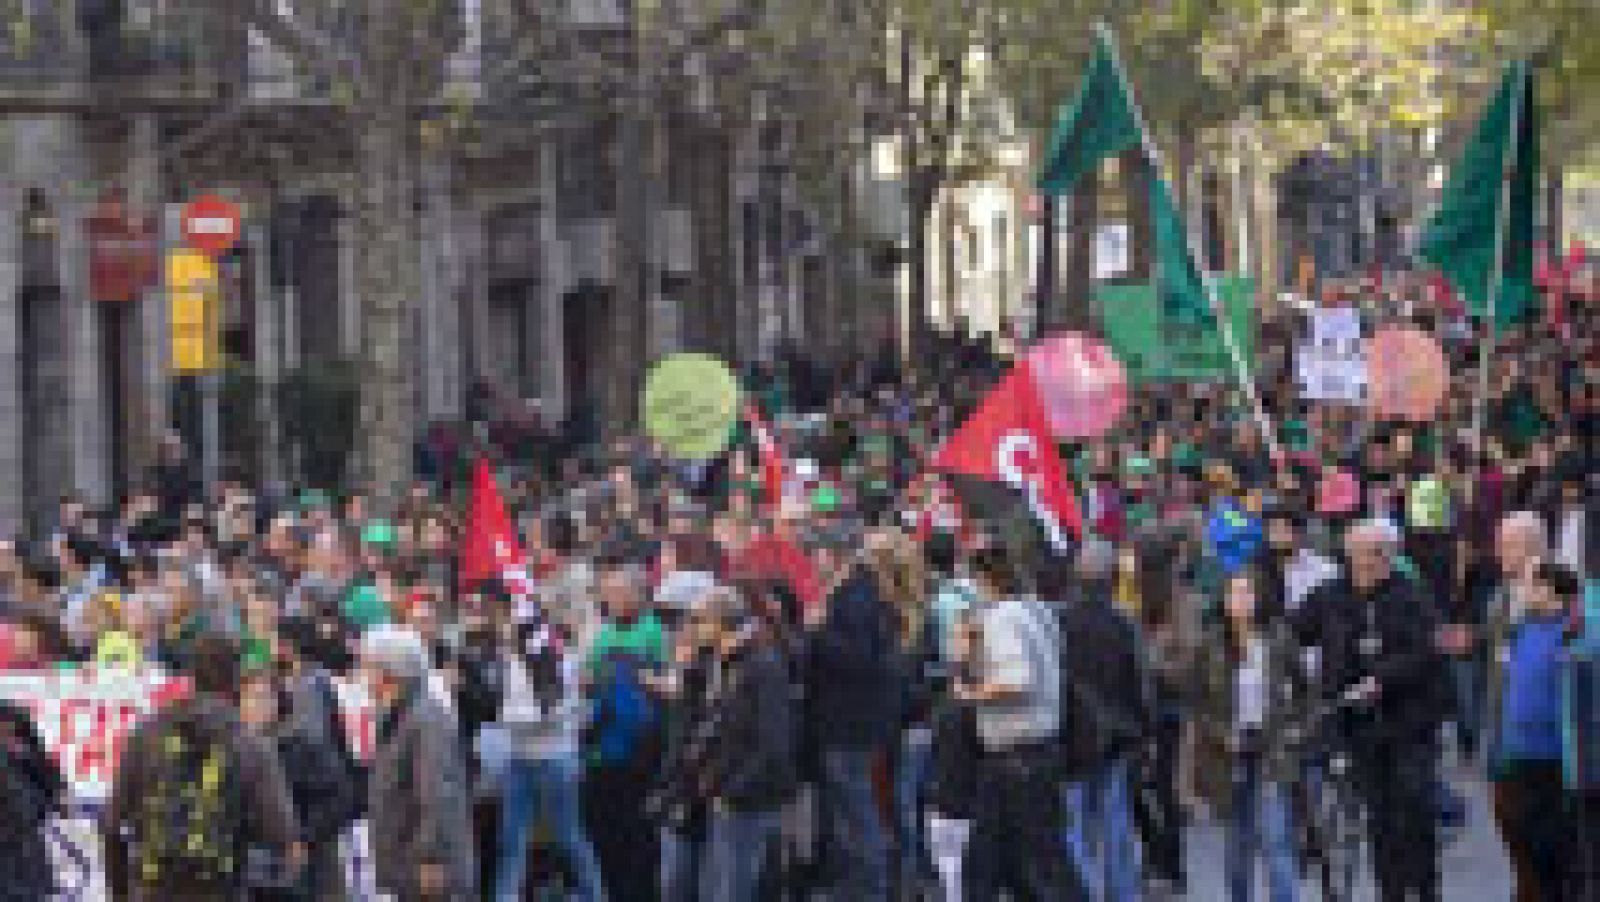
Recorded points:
(517,245)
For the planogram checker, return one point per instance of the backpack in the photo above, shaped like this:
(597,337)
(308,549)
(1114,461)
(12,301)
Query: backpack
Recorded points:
(626,726)
(190,824)
(325,794)
(1580,679)
(347,806)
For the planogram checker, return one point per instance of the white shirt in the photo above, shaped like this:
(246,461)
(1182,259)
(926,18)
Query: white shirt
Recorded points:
(1570,539)
(1250,687)
(1303,574)
(537,733)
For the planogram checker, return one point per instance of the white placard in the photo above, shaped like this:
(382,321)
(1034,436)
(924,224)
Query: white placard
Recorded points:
(1332,364)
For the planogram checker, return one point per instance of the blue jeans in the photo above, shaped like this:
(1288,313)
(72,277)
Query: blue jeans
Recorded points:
(1101,839)
(682,866)
(1260,826)
(854,827)
(910,779)
(1466,674)
(549,788)
(735,854)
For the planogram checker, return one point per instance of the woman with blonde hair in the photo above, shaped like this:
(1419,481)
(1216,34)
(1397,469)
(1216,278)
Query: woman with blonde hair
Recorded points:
(898,565)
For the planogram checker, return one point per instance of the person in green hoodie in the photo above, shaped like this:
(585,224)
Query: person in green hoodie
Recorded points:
(624,669)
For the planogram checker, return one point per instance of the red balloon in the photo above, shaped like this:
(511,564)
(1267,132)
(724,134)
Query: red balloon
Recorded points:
(1081,382)
(1406,374)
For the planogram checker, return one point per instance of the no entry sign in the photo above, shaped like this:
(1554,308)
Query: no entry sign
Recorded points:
(210,224)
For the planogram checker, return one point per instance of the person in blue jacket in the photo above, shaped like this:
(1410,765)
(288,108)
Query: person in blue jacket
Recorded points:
(1528,744)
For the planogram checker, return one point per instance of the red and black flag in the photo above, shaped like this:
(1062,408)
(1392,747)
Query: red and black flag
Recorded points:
(1004,465)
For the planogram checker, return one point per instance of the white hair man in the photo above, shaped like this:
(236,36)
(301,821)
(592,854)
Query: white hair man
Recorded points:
(1378,637)
(421,831)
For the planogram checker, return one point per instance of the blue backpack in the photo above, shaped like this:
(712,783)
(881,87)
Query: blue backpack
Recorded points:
(626,724)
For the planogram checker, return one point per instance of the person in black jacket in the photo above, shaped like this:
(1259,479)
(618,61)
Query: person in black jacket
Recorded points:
(1377,635)
(853,692)
(750,773)
(1108,705)
(321,785)
(30,789)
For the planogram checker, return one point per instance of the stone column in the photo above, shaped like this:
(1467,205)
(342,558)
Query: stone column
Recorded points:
(268,351)
(438,311)
(13,420)
(349,301)
(86,412)
(152,360)
(553,285)
(474,291)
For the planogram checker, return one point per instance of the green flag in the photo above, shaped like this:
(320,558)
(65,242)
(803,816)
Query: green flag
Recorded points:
(1463,234)
(1099,123)
(1178,287)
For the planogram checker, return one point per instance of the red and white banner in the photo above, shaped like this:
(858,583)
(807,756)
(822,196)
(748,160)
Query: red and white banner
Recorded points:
(84,716)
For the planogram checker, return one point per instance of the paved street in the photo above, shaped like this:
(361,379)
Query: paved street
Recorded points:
(1475,867)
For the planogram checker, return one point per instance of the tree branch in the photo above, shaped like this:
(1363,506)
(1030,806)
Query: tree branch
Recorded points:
(287,31)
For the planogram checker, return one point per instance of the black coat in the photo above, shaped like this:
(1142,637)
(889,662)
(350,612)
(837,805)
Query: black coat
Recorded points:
(30,789)
(1109,700)
(1389,634)
(752,765)
(854,675)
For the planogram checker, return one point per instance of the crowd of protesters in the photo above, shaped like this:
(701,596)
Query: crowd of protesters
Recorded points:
(859,691)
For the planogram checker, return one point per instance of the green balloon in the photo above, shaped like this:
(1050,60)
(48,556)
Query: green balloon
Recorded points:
(690,405)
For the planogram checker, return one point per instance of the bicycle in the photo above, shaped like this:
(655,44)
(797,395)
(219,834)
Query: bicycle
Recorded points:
(1336,820)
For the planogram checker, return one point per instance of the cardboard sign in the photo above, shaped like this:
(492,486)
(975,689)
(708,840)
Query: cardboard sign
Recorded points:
(690,405)
(1332,364)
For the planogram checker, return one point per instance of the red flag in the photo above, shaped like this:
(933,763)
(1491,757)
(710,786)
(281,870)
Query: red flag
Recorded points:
(1008,441)
(774,469)
(489,545)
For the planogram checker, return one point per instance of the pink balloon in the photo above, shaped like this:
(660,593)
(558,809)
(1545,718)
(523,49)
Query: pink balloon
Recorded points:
(1081,382)
(1406,374)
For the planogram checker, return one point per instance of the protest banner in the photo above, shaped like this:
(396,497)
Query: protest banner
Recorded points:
(1331,363)
(690,405)
(1155,347)
(85,715)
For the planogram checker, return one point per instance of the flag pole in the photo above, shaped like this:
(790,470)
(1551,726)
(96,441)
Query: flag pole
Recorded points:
(1224,321)
(1486,347)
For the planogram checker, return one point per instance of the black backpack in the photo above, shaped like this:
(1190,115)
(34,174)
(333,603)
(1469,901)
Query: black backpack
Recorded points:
(351,804)
(190,825)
